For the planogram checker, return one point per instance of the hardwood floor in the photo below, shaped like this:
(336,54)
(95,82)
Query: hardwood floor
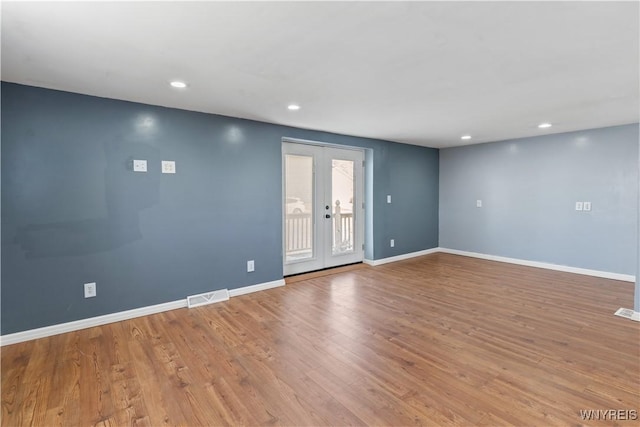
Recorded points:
(435,340)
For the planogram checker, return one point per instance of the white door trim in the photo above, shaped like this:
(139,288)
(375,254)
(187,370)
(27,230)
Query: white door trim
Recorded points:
(322,252)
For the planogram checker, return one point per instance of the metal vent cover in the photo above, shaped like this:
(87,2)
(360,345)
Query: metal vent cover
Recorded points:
(207,298)
(628,314)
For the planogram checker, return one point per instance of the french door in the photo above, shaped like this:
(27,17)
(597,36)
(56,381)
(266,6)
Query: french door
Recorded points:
(323,207)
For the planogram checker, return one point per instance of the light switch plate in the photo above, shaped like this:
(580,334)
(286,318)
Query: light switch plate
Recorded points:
(90,290)
(251,266)
(578,206)
(389,198)
(478,203)
(139,165)
(586,206)
(168,166)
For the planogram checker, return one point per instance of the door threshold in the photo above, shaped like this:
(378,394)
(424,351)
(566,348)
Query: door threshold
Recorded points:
(293,278)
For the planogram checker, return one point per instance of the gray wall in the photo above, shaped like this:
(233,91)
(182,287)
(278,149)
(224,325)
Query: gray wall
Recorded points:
(409,215)
(73,212)
(529,188)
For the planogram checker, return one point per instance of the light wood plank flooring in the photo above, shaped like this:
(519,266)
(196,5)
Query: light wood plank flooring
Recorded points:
(435,340)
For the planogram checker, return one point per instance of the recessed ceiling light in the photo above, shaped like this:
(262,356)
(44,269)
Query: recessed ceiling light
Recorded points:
(178,84)
(544,125)
(465,137)
(293,107)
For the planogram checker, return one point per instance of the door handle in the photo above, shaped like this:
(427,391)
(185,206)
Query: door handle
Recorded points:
(327,207)
(327,216)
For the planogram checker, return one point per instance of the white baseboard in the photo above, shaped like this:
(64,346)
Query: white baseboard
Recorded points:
(158,308)
(547,266)
(76,325)
(375,262)
(256,288)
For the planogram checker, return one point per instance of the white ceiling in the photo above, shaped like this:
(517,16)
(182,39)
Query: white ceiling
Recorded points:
(422,73)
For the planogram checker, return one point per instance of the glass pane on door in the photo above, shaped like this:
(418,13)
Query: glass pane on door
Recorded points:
(298,208)
(342,192)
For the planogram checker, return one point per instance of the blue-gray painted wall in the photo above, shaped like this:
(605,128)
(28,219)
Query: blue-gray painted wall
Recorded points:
(73,212)
(529,188)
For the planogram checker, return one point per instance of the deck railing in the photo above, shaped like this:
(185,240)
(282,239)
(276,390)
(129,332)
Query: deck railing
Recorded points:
(299,232)
(343,234)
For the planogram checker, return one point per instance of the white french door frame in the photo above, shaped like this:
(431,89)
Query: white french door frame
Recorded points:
(323,255)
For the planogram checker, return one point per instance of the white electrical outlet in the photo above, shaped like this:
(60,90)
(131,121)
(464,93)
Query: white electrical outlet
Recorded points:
(478,203)
(392,242)
(90,290)
(586,206)
(578,206)
(139,165)
(251,266)
(389,198)
(168,166)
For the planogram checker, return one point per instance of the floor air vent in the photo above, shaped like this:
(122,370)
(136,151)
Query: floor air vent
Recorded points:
(207,298)
(629,314)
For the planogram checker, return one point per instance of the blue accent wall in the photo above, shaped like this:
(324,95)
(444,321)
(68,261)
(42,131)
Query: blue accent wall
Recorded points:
(74,212)
(410,213)
(529,188)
